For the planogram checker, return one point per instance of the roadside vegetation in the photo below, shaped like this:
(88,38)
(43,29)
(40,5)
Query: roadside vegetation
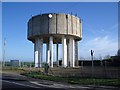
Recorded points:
(74,80)
(13,70)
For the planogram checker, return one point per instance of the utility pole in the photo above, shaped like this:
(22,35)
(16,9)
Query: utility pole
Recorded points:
(4,52)
(92,57)
(92,54)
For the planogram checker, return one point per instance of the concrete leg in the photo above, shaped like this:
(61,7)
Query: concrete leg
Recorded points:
(36,54)
(51,50)
(68,55)
(76,53)
(47,53)
(48,58)
(57,54)
(64,52)
(40,51)
(72,52)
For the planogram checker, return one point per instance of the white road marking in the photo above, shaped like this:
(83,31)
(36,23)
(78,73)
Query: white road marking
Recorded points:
(19,84)
(59,85)
(50,86)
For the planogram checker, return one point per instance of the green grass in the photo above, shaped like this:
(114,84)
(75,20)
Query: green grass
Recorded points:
(74,80)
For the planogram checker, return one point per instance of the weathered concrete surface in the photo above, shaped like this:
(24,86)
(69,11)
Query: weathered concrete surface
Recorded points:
(52,24)
(57,26)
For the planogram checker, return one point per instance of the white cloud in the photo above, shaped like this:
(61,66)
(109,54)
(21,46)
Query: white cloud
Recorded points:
(101,45)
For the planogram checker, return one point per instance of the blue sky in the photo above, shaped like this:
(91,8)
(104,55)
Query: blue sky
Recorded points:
(100,27)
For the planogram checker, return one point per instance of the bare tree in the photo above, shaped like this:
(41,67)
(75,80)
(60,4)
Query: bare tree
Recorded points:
(107,57)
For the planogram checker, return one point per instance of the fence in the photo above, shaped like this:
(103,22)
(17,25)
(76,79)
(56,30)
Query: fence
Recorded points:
(87,71)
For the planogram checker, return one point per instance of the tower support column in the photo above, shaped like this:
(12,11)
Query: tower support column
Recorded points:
(76,53)
(51,50)
(38,51)
(64,52)
(36,54)
(47,53)
(68,55)
(57,46)
(72,52)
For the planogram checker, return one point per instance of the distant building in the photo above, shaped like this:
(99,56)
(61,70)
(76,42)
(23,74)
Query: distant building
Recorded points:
(115,58)
(14,63)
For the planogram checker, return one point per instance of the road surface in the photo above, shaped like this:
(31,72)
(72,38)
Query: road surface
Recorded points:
(15,81)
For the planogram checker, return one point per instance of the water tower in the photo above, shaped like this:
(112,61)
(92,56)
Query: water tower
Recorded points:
(56,29)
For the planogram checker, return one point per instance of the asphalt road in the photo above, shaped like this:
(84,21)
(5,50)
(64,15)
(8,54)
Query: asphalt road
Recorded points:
(11,81)
(15,82)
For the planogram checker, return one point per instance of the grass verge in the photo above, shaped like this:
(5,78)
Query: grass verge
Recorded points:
(75,80)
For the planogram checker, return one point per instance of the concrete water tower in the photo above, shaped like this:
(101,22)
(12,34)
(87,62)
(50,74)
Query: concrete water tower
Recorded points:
(56,29)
